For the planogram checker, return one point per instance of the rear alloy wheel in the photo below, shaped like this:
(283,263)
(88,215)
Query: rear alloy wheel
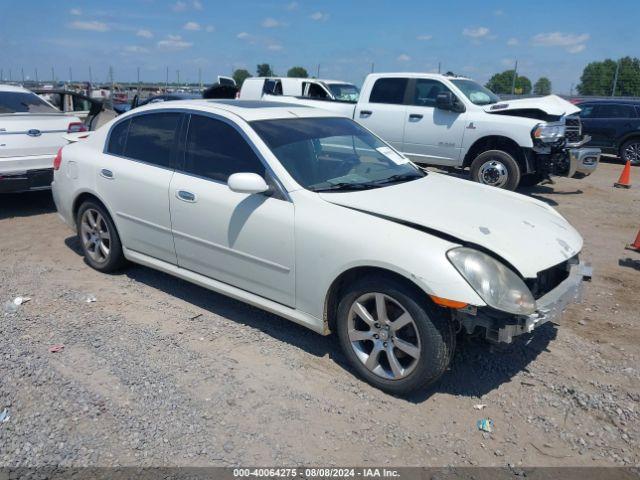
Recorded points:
(630,151)
(392,335)
(496,168)
(98,237)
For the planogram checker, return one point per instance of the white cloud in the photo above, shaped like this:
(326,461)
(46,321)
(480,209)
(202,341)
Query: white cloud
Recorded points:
(75,11)
(144,33)
(319,17)
(479,32)
(512,42)
(576,48)
(508,62)
(424,37)
(179,6)
(210,28)
(92,25)
(135,49)
(197,5)
(274,47)
(498,13)
(291,6)
(243,36)
(271,23)
(572,43)
(173,42)
(193,26)
(403,57)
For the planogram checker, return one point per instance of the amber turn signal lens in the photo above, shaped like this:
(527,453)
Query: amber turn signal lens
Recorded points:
(445,302)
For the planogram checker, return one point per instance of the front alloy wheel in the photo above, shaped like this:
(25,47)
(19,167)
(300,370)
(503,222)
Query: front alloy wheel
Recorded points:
(392,335)
(384,336)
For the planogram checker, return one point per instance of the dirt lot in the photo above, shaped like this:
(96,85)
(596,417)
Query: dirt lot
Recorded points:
(156,371)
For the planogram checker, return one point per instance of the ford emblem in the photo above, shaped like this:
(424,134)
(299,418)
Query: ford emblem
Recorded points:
(34,132)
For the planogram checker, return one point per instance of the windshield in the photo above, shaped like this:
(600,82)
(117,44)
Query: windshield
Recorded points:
(344,91)
(324,154)
(24,102)
(475,92)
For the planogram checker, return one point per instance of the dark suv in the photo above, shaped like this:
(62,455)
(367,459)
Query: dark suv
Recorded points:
(614,127)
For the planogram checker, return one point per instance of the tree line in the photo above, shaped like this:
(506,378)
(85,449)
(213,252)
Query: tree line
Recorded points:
(600,78)
(265,70)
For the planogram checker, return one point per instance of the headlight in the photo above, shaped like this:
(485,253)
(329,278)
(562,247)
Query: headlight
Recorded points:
(496,284)
(548,132)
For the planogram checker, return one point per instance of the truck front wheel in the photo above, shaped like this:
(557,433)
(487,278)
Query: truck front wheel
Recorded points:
(496,168)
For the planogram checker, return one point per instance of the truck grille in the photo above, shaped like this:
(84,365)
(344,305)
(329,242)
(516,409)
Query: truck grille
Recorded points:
(573,129)
(549,279)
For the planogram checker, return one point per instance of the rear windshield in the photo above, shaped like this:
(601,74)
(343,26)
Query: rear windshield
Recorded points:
(24,102)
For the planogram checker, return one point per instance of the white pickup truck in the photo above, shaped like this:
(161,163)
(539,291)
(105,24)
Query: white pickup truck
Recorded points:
(31,132)
(455,122)
(256,88)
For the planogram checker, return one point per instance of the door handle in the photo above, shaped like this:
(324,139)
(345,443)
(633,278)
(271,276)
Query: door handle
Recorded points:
(365,113)
(415,116)
(186,196)
(108,174)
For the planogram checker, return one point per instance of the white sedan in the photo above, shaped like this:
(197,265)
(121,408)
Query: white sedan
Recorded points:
(314,218)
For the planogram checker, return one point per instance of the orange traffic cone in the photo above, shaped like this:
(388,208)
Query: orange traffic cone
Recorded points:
(635,245)
(625,177)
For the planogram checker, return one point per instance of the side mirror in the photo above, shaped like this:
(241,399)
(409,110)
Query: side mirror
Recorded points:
(247,183)
(444,101)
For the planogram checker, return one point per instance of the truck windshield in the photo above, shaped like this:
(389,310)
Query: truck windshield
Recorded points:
(24,102)
(333,154)
(475,92)
(344,91)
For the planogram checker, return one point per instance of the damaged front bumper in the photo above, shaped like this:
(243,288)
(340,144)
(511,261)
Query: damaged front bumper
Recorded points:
(583,161)
(549,308)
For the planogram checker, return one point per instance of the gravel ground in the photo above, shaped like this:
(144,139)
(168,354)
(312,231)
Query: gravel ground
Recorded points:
(158,372)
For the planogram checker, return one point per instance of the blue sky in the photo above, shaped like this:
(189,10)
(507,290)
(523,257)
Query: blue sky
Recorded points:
(551,38)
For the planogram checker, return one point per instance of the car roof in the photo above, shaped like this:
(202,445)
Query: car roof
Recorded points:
(610,101)
(439,76)
(248,110)
(13,88)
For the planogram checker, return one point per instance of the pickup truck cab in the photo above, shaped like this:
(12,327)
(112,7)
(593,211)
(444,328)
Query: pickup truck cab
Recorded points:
(455,122)
(31,132)
(256,88)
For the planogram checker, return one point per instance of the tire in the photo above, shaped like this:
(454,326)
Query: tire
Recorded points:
(430,332)
(630,150)
(496,168)
(99,238)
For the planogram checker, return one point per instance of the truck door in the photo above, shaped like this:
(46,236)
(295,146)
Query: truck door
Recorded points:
(385,110)
(431,135)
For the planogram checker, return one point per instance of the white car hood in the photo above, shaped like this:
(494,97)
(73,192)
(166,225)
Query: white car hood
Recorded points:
(551,105)
(527,233)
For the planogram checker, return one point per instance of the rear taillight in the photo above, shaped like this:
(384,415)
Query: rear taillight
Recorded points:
(58,160)
(75,127)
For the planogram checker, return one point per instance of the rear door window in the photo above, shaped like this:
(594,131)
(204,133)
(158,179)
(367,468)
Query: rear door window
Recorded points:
(389,90)
(24,102)
(152,138)
(216,150)
(614,111)
(118,138)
